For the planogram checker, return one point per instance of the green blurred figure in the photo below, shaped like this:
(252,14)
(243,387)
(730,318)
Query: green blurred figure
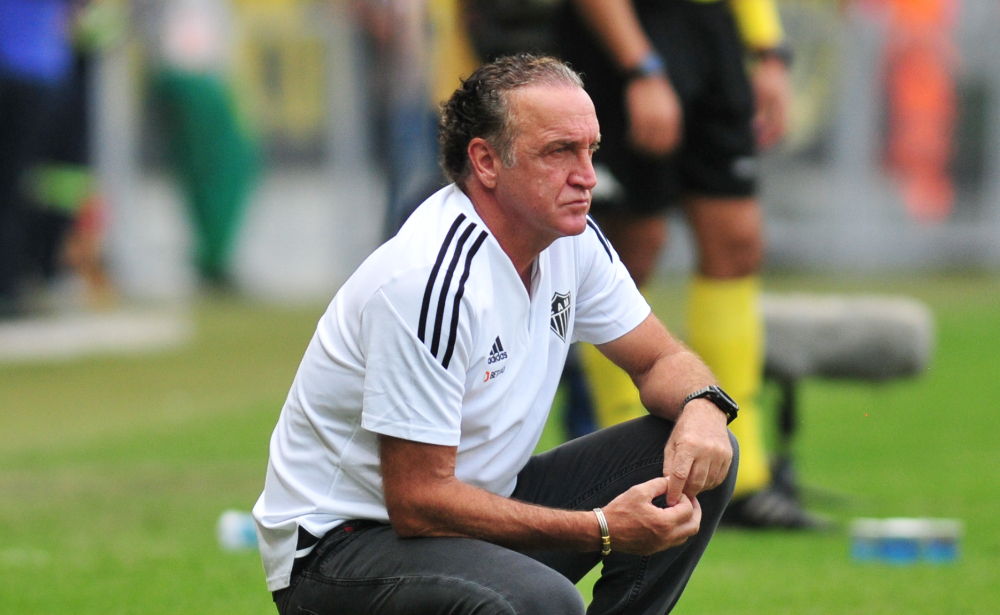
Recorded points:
(216,162)
(216,159)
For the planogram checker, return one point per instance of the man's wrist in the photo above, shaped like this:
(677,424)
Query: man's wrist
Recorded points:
(718,397)
(781,52)
(651,65)
(602,523)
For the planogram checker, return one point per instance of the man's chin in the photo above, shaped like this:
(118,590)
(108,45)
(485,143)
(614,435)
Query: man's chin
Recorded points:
(576,226)
(576,217)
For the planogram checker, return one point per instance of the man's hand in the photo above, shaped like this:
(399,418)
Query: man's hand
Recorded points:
(655,115)
(698,453)
(773,92)
(654,112)
(638,526)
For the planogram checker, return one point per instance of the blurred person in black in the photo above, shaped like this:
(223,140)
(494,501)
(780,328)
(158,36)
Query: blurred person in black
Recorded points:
(683,121)
(65,216)
(35,62)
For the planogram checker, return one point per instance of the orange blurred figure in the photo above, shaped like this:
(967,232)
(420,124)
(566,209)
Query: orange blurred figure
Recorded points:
(920,88)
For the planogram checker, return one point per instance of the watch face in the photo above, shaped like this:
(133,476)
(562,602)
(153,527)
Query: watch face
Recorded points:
(723,397)
(718,397)
(723,401)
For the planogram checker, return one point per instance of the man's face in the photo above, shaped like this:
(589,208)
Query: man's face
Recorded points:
(550,184)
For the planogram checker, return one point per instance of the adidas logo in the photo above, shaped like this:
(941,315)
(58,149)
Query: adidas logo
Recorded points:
(497,353)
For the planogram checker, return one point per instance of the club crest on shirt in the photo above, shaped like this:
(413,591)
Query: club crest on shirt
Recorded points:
(559,322)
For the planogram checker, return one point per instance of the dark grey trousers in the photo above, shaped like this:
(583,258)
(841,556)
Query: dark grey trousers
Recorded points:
(363,567)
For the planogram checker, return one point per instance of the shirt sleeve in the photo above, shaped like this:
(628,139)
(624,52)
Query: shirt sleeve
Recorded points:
(758,22)
(408,393)
(608,304)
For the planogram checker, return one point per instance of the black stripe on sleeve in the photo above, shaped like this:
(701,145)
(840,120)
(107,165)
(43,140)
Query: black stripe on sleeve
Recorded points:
(600,237)
(458,298)
(425,306)
(445,285)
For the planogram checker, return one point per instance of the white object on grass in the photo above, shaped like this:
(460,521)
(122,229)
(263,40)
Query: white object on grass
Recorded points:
(236,531)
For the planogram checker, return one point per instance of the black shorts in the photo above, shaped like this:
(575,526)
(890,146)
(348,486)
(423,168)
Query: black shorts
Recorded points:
(706,64)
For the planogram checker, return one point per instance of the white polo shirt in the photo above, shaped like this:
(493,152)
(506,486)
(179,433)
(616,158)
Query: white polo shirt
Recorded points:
(433,339)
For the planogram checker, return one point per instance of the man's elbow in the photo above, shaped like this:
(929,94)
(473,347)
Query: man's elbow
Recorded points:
(410,519)
(406,526)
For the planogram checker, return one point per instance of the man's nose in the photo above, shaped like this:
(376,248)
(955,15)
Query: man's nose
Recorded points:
(585,177)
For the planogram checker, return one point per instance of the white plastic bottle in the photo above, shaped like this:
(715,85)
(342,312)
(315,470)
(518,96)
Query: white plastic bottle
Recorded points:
(236,531)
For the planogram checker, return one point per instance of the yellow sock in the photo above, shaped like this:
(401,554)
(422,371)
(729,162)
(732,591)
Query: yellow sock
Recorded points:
(726,329)
(615,397)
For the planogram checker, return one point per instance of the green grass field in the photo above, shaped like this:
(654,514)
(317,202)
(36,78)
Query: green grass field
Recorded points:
(113,471)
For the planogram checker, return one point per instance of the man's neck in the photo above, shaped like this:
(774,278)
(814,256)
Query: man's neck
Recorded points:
(520,246)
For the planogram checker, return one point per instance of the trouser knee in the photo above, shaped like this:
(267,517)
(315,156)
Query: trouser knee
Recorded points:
(548,595)
(735,465)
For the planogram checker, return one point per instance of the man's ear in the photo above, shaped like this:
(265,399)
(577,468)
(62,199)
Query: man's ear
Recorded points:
(485,162)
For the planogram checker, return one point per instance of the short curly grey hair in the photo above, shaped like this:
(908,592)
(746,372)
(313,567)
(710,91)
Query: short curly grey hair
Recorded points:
(480,107)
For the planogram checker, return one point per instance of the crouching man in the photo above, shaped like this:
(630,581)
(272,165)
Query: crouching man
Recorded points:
(401,478)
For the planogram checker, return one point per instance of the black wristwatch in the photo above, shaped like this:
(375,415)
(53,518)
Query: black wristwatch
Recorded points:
(718,397)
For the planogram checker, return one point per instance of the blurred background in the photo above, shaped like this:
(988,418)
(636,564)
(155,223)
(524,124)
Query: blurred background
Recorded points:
(194,180)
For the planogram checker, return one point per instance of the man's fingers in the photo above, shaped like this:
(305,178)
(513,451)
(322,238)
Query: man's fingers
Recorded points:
(643,530)
(678,479)
(720,473)
(652,488)
(715,474)
(682,509)
(686,520)
(698,478)
(695,520)
(712,477)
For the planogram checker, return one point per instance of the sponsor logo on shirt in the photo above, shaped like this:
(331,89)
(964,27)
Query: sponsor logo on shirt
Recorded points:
(491,375)
(497,353)
(559,322)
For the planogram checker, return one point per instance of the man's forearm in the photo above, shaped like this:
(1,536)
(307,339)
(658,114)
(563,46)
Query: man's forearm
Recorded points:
(664,370)
(698,453)
(665,386)
(616,25)
(424,498)
(455,508)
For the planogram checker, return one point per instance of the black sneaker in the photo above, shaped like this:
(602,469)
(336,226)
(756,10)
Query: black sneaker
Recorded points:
(772,508)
